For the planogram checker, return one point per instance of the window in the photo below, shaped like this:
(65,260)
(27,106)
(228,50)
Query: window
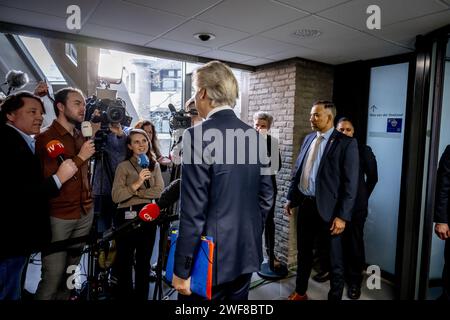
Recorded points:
(132,83)
(43,59)
(71,53)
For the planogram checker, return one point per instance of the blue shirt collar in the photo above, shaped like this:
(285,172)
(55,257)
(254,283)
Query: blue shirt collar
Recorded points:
(327,134)
(28,139)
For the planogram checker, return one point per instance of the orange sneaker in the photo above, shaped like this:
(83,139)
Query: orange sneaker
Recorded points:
(298,297)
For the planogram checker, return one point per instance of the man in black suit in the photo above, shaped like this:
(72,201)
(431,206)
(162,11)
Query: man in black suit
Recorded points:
(223,191)
(324,186)
(355,259)
(442,216)
(25,224)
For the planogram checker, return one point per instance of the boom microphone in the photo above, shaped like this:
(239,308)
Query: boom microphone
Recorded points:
(55,150)
(16,80)
(170,194)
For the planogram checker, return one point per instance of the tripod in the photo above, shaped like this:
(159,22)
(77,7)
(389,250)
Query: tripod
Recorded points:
(164,227)
(102,167)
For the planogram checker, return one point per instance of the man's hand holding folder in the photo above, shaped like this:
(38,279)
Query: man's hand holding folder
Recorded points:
(181,285)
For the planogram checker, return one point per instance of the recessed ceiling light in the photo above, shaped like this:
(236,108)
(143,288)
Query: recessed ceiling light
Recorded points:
(307,33)
(204,36)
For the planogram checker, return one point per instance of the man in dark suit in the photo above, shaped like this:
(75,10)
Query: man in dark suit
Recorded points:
(355,259)
(25,225)
(324,186)
(442,216)
(223,193)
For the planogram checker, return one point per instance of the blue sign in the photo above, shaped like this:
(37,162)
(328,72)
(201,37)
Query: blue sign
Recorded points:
(394,125)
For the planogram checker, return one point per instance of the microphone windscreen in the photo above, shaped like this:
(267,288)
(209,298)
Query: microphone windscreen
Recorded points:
(170,194)
(16,79)
(149,213)
(55,148)
(143,161)
(86,129)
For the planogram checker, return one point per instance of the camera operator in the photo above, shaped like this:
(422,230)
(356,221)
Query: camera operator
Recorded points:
(70,212)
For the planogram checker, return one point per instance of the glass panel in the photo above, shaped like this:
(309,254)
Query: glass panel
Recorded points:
(385,133)
(43,59)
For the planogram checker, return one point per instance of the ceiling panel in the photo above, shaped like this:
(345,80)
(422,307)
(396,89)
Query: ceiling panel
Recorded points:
(181,7)
(34,19)
(223,35)
(114,13)
(226,56)
(51,7)
(250,16)
(177,46)
(258,46)
(406,32)
(258,61)
(312,5)
(332,33)
(354,13)
(93,30)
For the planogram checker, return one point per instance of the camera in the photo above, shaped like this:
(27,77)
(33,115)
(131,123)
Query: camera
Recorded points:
(107,111)
(179,119)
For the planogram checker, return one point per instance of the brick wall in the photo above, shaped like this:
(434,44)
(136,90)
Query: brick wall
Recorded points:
(287,91)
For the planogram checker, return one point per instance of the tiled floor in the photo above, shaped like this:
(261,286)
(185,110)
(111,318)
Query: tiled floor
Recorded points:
(260,289)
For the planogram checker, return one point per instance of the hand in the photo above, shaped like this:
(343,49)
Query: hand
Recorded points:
(145,174)
(338,226)
(87,150)
(116,128)
(181,285)
(442,231)
(287,208)
(66,170)
(41,89)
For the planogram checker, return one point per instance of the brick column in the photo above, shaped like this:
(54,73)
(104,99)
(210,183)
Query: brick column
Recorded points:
(287,90)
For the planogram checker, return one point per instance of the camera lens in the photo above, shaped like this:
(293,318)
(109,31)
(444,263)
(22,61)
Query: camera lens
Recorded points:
(116,114)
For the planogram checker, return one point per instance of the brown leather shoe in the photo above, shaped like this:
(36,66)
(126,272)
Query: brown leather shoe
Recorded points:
(298,297)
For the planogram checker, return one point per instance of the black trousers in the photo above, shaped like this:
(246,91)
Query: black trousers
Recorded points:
(354,252)
(135,248)
(309,226)
(236,290)
(446,271)
(269,236)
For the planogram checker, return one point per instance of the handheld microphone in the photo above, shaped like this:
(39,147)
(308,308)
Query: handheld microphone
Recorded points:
(16,80)
(86,129)
(55,150)
(144,162)
(149,213)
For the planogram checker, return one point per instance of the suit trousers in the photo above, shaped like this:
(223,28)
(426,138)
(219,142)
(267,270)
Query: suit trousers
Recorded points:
(446,271)
(354,252)
(269,236)
(310,226)
(236,290)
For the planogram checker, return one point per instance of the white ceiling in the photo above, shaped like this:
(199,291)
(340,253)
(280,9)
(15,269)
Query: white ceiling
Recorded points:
(251,32)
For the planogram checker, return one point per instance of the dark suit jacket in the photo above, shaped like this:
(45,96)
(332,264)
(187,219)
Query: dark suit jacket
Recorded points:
(24,222)
(368,178)
(337,177)
(226,201)
(442,212)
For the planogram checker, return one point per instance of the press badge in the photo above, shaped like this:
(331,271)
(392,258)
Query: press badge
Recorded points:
(130,215)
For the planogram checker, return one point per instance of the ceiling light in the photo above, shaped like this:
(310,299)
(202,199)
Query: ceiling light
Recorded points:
(307,33)
(205,36)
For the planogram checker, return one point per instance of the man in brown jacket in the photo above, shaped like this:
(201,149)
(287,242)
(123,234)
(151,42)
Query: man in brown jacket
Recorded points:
(71,212)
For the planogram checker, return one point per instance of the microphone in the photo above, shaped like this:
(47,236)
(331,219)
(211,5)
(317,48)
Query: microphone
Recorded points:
(16,80)
(170,195)
(55,150)
(86,129)
(144,162)
(149,213)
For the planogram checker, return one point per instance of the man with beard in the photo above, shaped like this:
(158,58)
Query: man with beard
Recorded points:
(71,212)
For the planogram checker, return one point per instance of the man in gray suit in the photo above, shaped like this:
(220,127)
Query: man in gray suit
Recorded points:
(224,192)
